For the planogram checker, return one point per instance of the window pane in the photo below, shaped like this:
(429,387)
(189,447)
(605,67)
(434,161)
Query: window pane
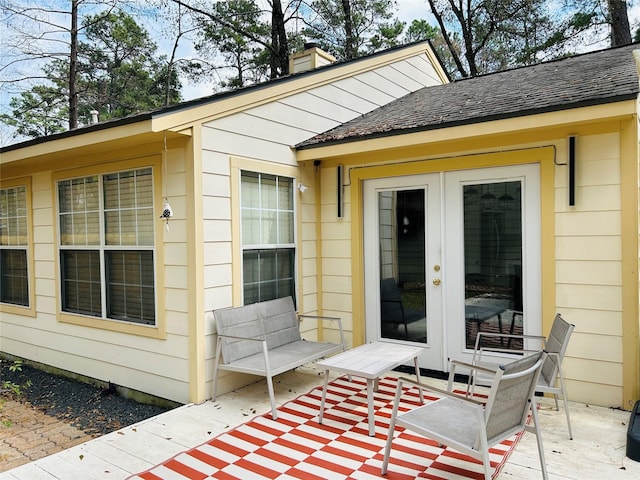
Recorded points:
(81,282)
(285,227)
(130,286)
(78,211)
(269,227)
(13,216)
(268,193)
(285,193)
(14,284)
(250,191)
(250,227)
(145,226)
(268,274)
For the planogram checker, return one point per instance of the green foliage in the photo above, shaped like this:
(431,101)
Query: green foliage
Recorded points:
(119,73)
(8,388)
(367,26)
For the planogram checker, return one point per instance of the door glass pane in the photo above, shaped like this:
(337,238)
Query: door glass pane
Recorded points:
(401,220)
(493,262)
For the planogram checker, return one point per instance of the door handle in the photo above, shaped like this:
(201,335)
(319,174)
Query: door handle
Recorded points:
(437,281)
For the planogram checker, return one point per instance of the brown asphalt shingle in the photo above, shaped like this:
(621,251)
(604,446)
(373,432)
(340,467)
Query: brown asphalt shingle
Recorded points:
(594,78)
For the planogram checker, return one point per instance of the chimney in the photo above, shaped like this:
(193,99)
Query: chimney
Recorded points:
(311,57)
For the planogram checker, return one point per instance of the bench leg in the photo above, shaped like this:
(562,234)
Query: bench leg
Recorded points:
(216,370)
(274,411)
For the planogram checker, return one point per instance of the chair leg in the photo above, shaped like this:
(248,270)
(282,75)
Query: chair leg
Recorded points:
(566,402)
(535,429)
(392,427)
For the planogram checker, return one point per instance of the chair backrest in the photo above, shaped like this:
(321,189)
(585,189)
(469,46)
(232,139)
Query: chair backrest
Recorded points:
(390,300)
(556,346)
(509,399)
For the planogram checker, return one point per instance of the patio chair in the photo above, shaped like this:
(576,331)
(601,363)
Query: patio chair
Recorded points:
(551,379)
(470,426)
(392,310)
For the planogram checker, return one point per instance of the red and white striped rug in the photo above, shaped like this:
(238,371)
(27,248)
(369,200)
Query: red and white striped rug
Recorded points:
(296,446)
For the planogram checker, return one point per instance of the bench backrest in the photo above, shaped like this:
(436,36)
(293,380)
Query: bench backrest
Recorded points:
(274,320)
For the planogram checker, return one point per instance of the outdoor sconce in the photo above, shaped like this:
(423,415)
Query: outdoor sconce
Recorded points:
(302,187)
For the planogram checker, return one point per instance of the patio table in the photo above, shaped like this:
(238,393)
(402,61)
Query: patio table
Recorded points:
(369,361)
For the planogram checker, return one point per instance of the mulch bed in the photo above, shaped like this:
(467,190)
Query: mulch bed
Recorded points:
(94,410)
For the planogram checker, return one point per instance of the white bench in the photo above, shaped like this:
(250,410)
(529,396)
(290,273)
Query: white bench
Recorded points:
(264,339)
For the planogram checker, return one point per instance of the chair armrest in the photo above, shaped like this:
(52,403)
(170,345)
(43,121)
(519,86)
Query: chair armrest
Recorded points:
(471,366)
(439,391)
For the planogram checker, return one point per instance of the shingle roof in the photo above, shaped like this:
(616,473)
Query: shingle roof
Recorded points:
(593,78)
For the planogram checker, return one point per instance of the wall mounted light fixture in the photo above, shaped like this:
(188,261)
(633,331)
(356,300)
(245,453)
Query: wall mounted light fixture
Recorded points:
(302,187)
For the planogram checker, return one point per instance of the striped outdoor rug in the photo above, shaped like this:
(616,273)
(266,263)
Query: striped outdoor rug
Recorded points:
(296,446)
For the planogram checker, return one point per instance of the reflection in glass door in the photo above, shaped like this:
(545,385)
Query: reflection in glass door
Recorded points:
(493,262)
(401,229)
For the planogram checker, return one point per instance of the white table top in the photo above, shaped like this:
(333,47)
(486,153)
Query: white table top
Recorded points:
(370,360)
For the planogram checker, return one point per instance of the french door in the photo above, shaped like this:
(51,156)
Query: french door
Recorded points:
(449,254)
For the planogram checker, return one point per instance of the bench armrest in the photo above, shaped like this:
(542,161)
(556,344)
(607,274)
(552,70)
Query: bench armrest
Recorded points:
(333,319)
(235,337)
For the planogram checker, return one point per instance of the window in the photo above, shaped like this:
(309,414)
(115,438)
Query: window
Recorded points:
(107,246)
(14,279)
(267,236)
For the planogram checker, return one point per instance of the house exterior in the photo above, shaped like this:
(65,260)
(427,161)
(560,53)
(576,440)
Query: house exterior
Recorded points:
(483,204)
(96,283)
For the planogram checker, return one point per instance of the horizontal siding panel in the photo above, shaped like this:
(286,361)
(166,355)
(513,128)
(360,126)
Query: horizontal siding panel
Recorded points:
(589,297)
(175,253)
(355,94)
(593,371)
(42,217)
(178,324)
(412,71)
(293,116)
(589,248)
(217,253)
(598,147)
(216,208)
(339,284)
(598,197)
(45,269)
(335,266)
(336,231)
(423,64)
(217,230)
(46,287)
(309,284)
(593,273)
(311,103)
(264,129)
(337,248)
(382,88)
(240,145)
(588,223)
(595,394)
(219,296)
(338,302)
(606,348)
(598,322)
(176,276)
(309,266)
(351,94)
(176,185)
(43,252)
(216,184)
(176,299)
(215,163)
(398,75)
(218,274)
(309,249)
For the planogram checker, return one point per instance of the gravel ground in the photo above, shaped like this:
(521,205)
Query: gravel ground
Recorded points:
(94,410)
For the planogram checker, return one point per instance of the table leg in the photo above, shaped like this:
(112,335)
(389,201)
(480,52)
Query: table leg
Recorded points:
(324,395)
(372,425)
(415,363)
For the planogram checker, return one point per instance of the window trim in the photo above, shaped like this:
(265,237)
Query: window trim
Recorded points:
(29,310)
(238,165)
(154,331)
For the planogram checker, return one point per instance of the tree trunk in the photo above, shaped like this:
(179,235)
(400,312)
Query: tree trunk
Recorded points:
(350,50)
(280,53)
(619,20)
(73,68)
